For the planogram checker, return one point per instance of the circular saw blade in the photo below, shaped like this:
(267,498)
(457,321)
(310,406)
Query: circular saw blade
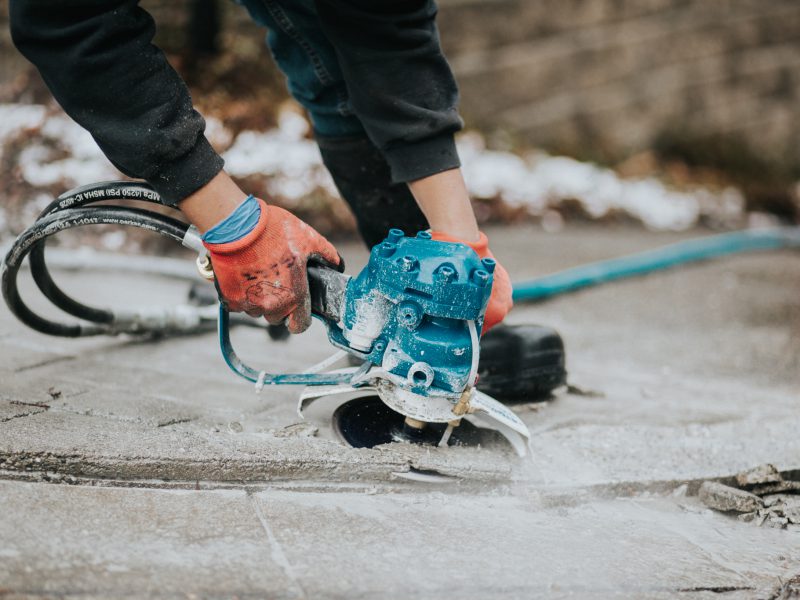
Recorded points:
(373,422)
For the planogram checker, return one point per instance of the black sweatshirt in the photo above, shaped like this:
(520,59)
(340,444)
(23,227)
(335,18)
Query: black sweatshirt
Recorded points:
(97,58)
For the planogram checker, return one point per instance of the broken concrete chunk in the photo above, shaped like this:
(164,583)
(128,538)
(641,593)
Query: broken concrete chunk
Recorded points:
(784,505)
(773,499)
(791,510)
(725,498)
(761,474)
(777,522)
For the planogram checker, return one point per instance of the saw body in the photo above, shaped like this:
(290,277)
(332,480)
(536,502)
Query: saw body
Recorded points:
(413,315)
(410,312)
(412,319)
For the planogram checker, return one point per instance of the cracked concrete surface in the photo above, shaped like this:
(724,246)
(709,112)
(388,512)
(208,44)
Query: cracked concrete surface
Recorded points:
(185,482)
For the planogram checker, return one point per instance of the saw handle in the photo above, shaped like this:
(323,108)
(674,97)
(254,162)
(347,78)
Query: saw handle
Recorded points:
(327,288)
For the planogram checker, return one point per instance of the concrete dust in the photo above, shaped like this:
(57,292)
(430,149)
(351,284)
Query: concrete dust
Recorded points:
(296,430)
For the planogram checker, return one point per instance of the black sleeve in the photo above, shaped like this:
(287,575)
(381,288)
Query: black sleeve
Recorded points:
(98,60)
(399,82)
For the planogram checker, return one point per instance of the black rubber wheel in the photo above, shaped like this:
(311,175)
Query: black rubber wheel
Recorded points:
(521,363)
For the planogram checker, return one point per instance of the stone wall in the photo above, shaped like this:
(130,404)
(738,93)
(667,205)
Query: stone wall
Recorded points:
(610,76)
(604,78)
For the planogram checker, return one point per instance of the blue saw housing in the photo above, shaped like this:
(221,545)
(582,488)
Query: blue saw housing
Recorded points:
(409,311)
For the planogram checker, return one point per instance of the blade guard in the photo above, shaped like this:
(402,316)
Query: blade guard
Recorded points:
(318,404)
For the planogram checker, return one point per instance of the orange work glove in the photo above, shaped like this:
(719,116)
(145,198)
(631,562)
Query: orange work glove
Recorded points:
(264,272)
(500,301)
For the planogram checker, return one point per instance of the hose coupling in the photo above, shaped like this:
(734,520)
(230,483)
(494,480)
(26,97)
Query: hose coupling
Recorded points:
(204,266)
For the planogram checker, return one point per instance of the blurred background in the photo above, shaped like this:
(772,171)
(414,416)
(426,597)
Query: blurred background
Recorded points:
(667,114)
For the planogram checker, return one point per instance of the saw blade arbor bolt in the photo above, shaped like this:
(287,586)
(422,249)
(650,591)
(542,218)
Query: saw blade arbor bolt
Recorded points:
(413,431)
(414,423)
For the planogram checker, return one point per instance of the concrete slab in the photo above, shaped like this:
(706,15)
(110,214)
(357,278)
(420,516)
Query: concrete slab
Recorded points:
(101,543)
(506,546)
(692,374)
(339,542)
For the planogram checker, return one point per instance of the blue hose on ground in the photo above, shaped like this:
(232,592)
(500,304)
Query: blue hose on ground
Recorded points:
(656,260)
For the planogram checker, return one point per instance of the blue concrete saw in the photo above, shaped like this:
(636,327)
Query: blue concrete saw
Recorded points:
(412,320)
(410,324)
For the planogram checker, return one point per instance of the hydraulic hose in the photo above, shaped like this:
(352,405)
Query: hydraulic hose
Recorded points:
(53,223)
(77,208)
(76,198)
(656,260)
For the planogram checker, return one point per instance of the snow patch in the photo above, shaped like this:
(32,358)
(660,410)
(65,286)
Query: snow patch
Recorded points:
(285,154)
(540,182)
(218,135)
(41,161)
(63,153)
(18,117)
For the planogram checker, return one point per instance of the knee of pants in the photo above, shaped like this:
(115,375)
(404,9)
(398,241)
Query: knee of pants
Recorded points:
(309,62)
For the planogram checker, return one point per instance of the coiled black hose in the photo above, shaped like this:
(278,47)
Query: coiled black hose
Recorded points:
(78,208)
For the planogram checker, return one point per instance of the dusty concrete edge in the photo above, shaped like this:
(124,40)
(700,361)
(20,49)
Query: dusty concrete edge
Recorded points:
(546,495)
(371,465)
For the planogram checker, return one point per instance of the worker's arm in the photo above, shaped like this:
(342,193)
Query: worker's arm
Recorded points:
(444,200)
(404,93)
(399,84)
(98,60)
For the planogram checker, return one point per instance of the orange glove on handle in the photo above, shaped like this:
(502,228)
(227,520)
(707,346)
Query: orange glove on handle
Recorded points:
(500,301)
(264,272)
